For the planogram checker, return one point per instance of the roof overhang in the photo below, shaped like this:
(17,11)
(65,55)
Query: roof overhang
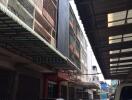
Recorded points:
(110,38)
(19,38)
(88,85)
(92,85)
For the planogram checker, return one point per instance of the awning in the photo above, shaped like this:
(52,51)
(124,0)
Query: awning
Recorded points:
(90,85)
(108,25)
(19,38)
(87,85)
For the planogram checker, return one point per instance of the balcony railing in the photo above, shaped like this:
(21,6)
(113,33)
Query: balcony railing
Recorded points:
(39,15)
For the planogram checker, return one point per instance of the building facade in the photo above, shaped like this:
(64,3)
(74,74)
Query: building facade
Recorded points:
(43,52)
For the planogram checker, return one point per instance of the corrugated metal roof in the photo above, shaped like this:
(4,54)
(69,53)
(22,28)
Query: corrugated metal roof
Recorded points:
(108,27)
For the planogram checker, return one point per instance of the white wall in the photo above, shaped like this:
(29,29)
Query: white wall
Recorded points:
(90,56)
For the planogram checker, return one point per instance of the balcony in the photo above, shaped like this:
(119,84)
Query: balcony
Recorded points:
(39,19)
(23,34)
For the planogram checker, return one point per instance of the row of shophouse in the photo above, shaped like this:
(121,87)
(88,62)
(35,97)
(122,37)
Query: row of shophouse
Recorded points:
(43,52)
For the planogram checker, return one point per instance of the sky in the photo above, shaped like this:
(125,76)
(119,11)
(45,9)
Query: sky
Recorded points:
(94,61)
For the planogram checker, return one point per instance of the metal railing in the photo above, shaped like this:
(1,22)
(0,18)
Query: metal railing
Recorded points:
(42,21)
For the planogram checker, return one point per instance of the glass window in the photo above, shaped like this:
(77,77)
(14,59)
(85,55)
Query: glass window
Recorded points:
(52,90)
(64,92)
(50,7)
(71,93)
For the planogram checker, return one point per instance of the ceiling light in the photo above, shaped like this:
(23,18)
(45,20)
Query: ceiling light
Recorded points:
(113,65)
(114,59)
(118,74)
(127,35)
(119,68)
(129,14)
(116,23)
(116,16)
(115,37)
(114,51)
(126,50)
(125,58)
(129,20)
(126,63)
(127,39)
(118,71)
(114,41)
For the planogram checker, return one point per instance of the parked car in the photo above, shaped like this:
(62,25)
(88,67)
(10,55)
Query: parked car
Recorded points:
(124,92)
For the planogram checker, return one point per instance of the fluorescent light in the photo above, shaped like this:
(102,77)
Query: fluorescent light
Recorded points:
(116,16)
(114,41)
(129,20)
(124,71)
(126,50)
(113,65)
(113,69)
(116,23)
(118,74)
(125,58)
(118,71)
(114,51)
(113,59)
(127,35)
(127,39)
(129,14)
(119,68)
(124,68)
(113,72)
(126,63)
(115,37)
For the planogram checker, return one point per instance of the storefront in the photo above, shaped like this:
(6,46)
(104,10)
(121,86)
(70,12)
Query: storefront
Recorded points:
(19,85)
(55,85)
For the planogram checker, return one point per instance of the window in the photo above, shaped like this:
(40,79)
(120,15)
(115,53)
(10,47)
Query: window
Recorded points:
(71,93)
(74,47)
(79,93)
(52,90)
(126,93)
(64,92)
(51,8)
(94,68)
